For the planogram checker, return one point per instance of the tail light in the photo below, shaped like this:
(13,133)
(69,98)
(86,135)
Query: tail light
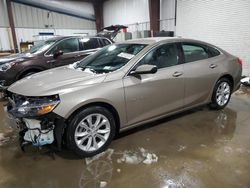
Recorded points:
(240,61)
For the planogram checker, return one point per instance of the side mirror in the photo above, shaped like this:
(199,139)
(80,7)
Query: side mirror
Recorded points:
(57,53)
(144,69)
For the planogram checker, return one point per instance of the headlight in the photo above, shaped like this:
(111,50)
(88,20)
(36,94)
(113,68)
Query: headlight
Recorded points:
(6,66)
(30,107)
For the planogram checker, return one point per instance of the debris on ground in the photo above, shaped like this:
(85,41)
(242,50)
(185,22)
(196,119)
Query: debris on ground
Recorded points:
(143,156)
(245,81)
(118,170)
(3,139)
(181,147)
(103,184)
(108,153)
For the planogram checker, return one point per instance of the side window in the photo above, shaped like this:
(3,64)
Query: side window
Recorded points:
(193,52)
(67,45)
(213,52)
(89,43)
(163,56)
(105,42)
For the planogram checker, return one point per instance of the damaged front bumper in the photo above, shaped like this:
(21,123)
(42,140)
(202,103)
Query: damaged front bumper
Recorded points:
(38,130)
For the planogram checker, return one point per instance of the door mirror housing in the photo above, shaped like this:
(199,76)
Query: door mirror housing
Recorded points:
(144,69)
(57,53)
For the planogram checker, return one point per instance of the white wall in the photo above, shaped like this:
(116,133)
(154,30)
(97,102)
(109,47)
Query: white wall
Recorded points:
(223,23)
(167,15)
(126,12)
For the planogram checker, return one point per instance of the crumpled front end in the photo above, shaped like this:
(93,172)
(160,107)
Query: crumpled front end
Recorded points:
(35,119)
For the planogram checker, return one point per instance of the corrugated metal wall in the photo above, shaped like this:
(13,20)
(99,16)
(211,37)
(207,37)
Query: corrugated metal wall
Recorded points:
(127,12)
(29,21)
(223,23)
(135,14)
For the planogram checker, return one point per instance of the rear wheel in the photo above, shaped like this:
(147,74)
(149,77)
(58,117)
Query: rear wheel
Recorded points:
(221,94)
(90,131)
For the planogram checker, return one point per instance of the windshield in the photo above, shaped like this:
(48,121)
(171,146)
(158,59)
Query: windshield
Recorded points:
(110,58)
(41,46)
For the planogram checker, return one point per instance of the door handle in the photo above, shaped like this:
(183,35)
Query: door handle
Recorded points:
(212,66)
(177,74)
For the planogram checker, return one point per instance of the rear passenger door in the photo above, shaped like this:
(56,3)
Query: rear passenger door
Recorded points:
(201,70)
(88,46)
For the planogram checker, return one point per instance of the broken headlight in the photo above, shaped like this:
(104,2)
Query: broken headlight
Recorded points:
(21,106)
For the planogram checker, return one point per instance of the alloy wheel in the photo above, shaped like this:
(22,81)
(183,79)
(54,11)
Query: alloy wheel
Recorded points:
(92,132)
(223,93)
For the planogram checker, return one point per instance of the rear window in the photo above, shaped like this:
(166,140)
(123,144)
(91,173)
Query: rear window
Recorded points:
(104,42)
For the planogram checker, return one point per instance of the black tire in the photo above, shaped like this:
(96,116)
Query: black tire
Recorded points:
(214,103)
(73,125)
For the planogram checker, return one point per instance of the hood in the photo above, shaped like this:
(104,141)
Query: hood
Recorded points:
(16,57)
(55,81)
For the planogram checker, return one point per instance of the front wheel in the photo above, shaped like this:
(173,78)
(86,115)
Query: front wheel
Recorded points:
(90,131)
(221,94)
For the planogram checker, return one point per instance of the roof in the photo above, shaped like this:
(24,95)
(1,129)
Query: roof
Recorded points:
(151,40)
(64,37)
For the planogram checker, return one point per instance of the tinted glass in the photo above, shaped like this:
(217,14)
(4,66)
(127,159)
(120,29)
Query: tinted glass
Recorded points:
(110,58)
(193,52)
(67,45)
(41,46)
(105,42)
(163,56)
(213,52)
(89,43)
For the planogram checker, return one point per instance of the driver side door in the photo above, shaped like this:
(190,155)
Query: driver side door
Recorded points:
(151,95)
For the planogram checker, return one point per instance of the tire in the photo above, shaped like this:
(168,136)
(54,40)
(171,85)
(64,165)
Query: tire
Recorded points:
(81,138)
(221,94)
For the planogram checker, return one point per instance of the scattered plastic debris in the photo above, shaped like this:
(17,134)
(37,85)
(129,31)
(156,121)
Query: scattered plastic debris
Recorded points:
(181,147)
(103,184)
(108,153)
(246,81)
(130,158)
(151,158)
(138,157)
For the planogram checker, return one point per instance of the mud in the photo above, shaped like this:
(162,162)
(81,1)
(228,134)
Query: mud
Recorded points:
(198,148)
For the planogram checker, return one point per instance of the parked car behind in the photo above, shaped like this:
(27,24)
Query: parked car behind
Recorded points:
(48,54)
(121,86)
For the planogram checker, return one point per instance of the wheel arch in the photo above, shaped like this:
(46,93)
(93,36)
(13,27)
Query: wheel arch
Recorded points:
(229,77)
(27,70)
(106,105)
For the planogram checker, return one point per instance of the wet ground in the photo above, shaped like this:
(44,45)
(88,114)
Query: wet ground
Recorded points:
(199,148)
